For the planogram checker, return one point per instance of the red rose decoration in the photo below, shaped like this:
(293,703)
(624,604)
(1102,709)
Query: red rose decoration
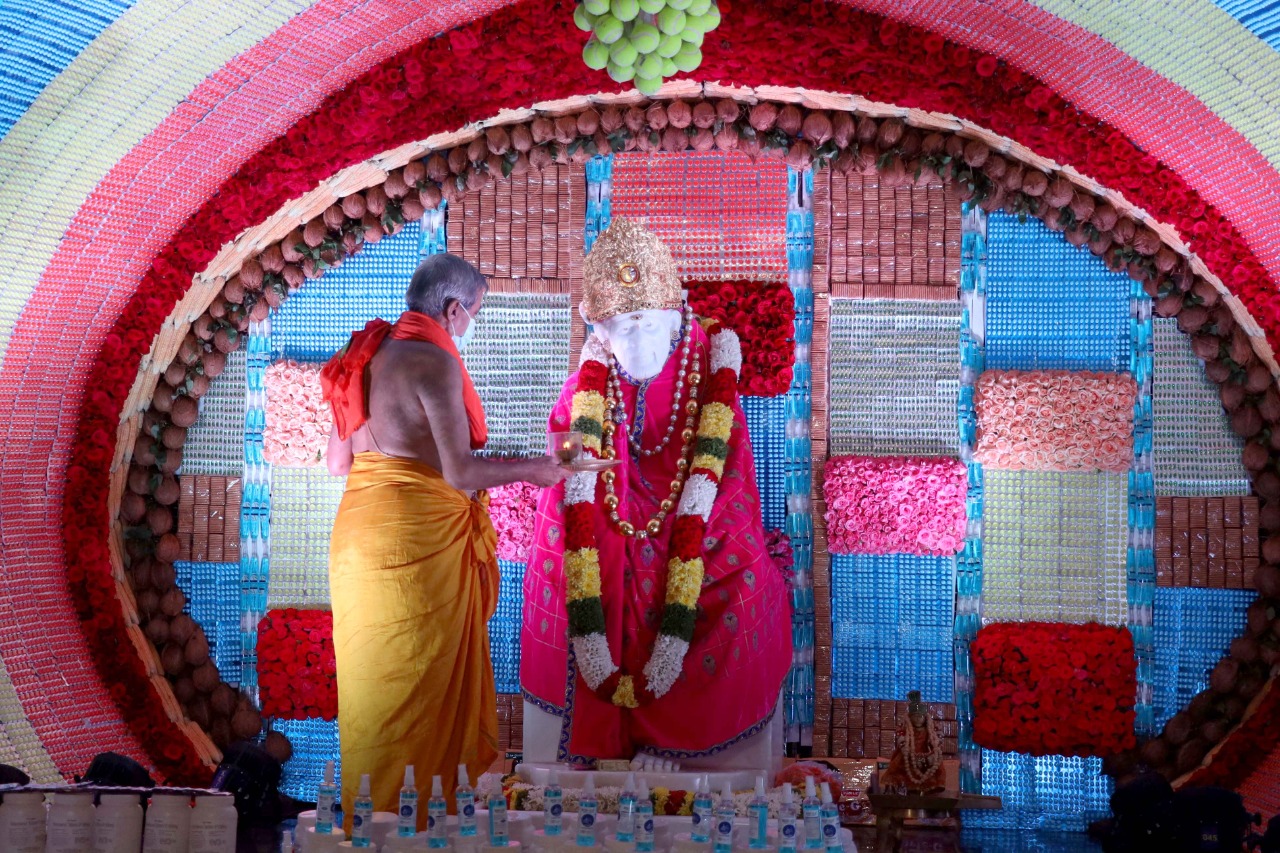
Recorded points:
(763,314)
(1048,688)
(297,673)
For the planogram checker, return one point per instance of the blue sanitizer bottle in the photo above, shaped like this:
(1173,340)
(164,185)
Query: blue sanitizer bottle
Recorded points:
(498,833)
(644,819)
(437,816)
(726,811)
(407,826)
(326,796)
(466,797)
(553,807)
(830,822)
(789,826)
(588,811)
(811,808)
(362,819)
(627,811)
(758,817)
(702,811)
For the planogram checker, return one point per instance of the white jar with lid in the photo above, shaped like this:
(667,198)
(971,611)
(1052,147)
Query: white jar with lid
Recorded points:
(168,823)
(117,824)
(22,822)
(70,824)
(213,824)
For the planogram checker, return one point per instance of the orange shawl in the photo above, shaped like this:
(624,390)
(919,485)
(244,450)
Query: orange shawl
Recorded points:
(343,377)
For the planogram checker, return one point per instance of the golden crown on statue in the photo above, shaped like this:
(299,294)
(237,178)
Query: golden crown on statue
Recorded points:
(628,269)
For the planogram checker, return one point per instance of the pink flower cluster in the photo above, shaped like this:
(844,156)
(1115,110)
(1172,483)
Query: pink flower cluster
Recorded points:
(778,544)
(512,509)
(895,505)
(298,418)
(1055,420)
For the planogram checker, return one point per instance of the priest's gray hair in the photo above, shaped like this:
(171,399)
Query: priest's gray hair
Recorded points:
(441,279)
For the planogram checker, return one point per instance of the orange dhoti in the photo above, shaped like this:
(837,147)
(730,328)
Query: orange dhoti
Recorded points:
(414,579)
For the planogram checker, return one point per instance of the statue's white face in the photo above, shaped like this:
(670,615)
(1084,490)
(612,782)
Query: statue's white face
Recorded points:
(641,340)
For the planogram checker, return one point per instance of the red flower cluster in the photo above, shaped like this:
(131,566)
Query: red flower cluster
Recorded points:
(763,313)
(297,673)
(529,52)
(1047,688)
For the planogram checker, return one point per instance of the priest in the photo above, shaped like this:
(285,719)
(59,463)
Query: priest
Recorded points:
(655,623)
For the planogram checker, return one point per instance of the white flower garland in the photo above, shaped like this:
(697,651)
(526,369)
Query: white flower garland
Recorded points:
(580,488)
(665,663)
(727,352)
(595,661)
(699,497)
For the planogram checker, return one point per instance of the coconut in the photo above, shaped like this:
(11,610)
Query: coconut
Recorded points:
(394,186)
(184,411)
(205,677)
(181,627)
(184,689)
(496,139)
(171,660)
(817,128)
(172,602)
(246,723)
(167,550)
(1191,753)
(173,437)
(171,462)
(133,507)
(198,710)
(611,120)
(1255,456)
(196,650)
(890,133)
(763,117)
(975,153)
(157,630)
(222,700)
(1246,422)
(160,520)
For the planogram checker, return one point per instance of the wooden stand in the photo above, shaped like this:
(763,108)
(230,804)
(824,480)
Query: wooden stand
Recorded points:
(892,809)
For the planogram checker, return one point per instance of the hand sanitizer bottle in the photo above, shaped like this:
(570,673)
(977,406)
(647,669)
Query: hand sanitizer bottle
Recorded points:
(627,811)
(326,795)
(788,825)
(644,819)
(811,808)
(726,811)
(408,825)
(702,808)
(553,806)
(466,797)
(758,812)
(498,833)
(437,816)
(588,809)
(362,820)
(830,822)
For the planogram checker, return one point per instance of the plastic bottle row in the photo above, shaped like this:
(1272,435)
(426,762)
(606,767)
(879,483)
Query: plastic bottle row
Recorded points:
(80,820)
(713,827)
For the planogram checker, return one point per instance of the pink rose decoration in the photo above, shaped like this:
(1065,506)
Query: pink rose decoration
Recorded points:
(298,419)
(512,509)
(895,505)
(1055,420)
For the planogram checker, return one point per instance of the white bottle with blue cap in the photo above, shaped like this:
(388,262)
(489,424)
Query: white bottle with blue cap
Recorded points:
(644,819)
(553,806)
(789,826)
(466,797)
(758,817)
(588,812)
(811,808)
(362,815)
(726,811)
(702,811)
(407,825)
(437,816)
(326,796)
(626,832)
(830,822)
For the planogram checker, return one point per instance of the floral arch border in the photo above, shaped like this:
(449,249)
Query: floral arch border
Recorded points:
(363,202)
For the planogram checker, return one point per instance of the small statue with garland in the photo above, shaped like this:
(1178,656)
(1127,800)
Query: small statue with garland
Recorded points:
(916,764)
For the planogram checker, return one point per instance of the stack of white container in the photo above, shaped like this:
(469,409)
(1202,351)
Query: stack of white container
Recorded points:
(87,819)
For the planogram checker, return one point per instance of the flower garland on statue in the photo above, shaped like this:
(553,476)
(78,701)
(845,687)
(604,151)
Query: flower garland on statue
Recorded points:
(696,484)
(920,766)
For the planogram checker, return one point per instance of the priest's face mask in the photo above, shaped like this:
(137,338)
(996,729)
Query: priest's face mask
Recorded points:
(641,340)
